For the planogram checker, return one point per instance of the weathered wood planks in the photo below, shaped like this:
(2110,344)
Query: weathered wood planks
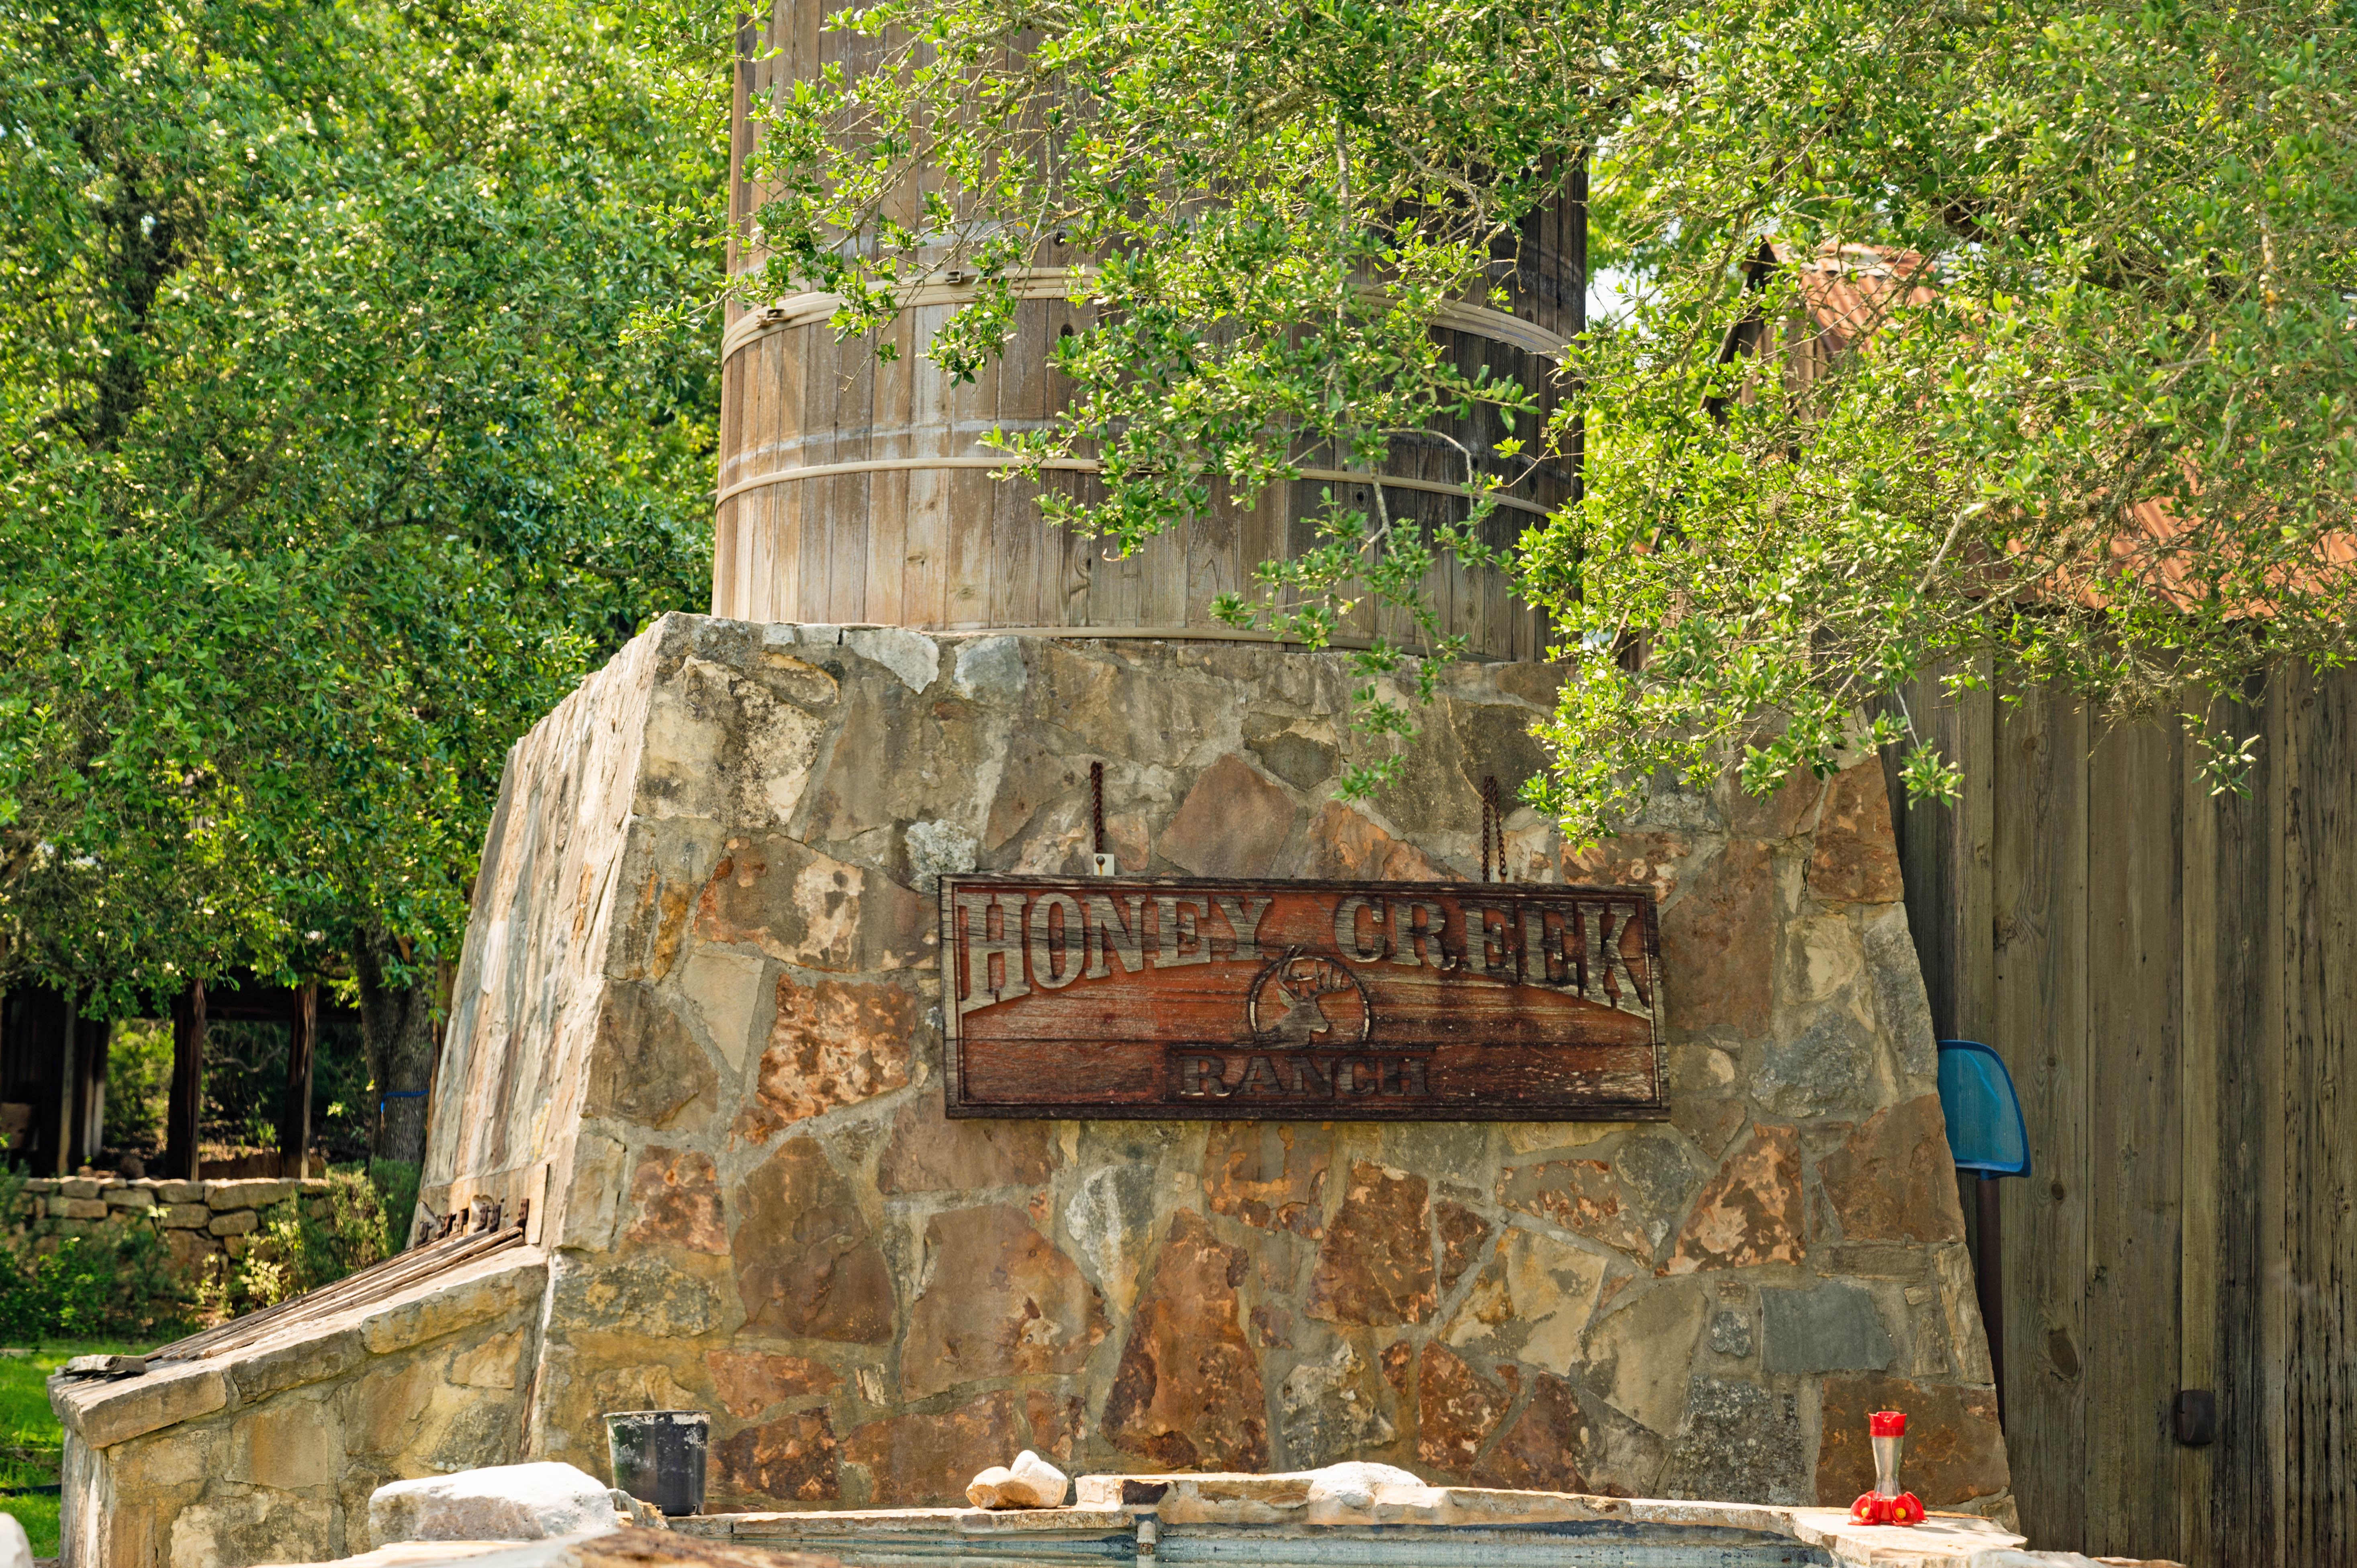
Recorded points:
(2171,976)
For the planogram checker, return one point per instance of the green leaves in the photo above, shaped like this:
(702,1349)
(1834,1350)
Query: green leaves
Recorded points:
(351,416)
(2010,341)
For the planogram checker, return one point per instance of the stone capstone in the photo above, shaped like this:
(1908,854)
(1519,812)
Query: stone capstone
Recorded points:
(504,1502)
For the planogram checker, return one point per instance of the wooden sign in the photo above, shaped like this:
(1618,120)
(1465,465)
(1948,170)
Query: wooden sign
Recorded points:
(1300,1001)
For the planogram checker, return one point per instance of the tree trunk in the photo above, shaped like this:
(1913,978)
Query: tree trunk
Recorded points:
(397,1033)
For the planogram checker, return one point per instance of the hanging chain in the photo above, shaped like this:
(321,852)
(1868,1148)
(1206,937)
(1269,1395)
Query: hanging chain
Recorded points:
(1097,803)
(1493,828)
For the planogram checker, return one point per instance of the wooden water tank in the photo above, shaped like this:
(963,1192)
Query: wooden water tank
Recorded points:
(853,490)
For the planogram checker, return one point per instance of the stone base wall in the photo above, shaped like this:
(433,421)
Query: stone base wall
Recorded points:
(699,1010)
(201,1222)
(269,1454)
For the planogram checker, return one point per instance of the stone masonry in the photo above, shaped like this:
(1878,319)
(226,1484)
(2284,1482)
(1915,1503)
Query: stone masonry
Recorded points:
(696,1038)
(700,1011)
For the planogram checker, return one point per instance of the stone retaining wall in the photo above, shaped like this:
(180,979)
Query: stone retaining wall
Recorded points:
(269,1454)
(199,1221)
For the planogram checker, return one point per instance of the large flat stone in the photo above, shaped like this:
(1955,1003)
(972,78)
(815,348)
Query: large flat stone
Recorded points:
(807,1266)
(998,1301)
(1750,1213)
(833,1043)
(1856,857)
(1188,1392)
(1349,845)
(507,1502)
(1231,823)
(1539,1452)
(1953,1450)
(750,1381)
(1458,1408)
(1375,1265)
(916,1459)
(1718,943)
(676,1194)
(644,1067)
(1269,1174)
(1740,1444)
(1831,1328)
(791,1460)
(929,1152)
(1893,1178)
(796,904)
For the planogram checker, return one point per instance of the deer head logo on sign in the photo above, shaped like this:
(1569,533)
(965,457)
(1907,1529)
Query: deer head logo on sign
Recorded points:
(1308,999)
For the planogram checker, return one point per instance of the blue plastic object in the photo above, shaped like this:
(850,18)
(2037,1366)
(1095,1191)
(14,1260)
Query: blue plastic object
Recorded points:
(1986,1132)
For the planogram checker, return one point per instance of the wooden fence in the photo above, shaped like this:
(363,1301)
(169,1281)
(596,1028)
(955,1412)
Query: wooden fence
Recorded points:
(2173,978)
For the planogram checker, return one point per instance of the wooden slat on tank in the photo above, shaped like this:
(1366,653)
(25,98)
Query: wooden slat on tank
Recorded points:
(2042,1002)
(1214,557)
(2135,946)
(927,554)
(971,497)
(2319,1113)
(886,558)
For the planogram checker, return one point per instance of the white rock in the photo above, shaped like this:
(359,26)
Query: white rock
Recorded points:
(1029,1483)
(1037,1483)
(985,1489)
(15,1551)
(503,1502)
(1352,1485)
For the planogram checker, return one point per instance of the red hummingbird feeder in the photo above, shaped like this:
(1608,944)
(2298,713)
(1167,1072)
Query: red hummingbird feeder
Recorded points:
(1887,1504)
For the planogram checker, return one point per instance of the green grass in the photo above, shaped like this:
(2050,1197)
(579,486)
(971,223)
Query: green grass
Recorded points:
(31,1442)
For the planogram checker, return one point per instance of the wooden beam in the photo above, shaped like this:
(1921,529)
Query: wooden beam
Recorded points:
(180,1153)
(295,1113)
(69,1082)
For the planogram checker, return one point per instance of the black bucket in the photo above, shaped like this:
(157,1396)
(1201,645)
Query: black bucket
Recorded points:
(658,1457)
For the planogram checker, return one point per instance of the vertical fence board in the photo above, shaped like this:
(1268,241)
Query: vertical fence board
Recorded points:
(2135,1185)
(2199,1010)
(2320,1231)
(2242,1523)
(2041,969)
